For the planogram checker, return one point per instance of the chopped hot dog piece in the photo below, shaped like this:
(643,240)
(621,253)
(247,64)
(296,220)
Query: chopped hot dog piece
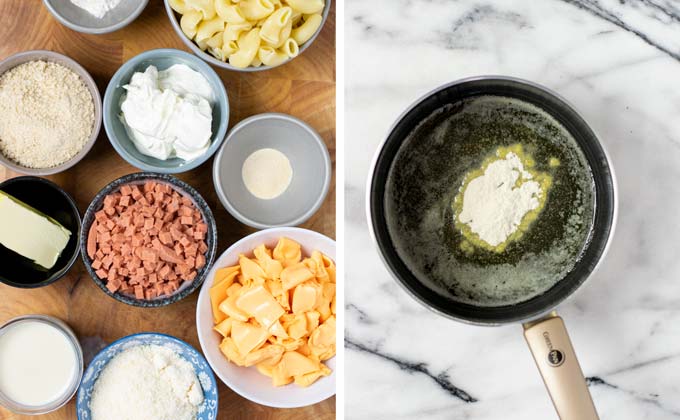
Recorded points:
(146,240)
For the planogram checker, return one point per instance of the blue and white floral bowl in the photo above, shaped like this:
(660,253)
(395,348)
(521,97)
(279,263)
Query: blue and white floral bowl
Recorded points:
(206,411)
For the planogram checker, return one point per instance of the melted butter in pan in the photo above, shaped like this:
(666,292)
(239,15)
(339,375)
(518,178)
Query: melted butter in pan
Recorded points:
(425,178)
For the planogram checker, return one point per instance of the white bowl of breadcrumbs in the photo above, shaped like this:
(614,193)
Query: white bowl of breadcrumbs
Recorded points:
(50,112)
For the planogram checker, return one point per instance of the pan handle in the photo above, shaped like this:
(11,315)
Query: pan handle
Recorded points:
(556,360)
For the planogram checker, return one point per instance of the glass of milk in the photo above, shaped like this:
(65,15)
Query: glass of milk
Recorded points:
(41,364)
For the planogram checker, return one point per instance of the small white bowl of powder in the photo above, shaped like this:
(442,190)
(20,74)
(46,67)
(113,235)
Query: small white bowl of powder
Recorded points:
(272,170)
(95,16)
(50,112)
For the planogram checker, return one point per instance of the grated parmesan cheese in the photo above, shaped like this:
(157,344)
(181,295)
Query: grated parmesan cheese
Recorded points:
(146,383)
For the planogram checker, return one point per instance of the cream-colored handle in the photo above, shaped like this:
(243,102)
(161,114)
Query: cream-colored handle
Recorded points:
(556,360)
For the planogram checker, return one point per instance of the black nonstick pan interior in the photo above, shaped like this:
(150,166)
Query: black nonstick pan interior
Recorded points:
(604,205)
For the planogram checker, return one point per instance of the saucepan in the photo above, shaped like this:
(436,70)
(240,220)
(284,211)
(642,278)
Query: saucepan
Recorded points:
(526,281)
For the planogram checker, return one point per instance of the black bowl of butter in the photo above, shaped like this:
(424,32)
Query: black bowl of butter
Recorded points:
(39,232)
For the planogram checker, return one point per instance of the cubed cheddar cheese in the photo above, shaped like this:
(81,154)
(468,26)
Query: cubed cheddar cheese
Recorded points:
(272,268)
(304,297)
(228,307)
(293,364)
(218,292)
(257,302)
(295,274)
(270,354)
(288,252)
(224,327)
(275,311)
(322,340)
(228,348)
(247,337)
(250,270)
(309,378)
(278,330)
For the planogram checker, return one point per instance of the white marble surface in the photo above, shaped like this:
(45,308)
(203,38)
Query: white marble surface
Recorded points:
(618,62)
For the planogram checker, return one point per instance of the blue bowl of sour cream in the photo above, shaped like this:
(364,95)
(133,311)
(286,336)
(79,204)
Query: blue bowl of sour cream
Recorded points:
(166,111)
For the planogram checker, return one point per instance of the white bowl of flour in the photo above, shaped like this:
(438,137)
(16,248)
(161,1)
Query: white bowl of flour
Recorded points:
(95,16)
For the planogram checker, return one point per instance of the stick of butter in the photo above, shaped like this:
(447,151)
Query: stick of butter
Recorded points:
(30,233)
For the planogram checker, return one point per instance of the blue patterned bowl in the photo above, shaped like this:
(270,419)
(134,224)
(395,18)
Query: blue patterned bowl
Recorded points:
(206,411)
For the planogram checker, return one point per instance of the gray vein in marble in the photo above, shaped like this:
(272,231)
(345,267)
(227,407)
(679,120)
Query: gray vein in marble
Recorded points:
(648,399)
(461,37)
(362,316)
(594,7)
(643,364)
(442,379)
(666,8)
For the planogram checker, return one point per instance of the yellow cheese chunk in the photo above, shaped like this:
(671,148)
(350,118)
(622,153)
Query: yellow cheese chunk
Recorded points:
(305,350)
(330,268)
(288,252)
(228,306)
(322,340)
(321,273)
(284,300)
(224,327)
(305,297)
(312,320)
(261,305)
(295,274)
(247,337)
(225,274)
(250,269)
(218,292)
(266,369)
(275,311)
(297,326)
(278,330)
(271,354)
(272,268)
(324,303)
(229,350)
(278,380)
(290,344)
(234,289)
(309,378)
(293,363)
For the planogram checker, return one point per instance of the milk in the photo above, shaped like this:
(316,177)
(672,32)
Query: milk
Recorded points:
(37,363)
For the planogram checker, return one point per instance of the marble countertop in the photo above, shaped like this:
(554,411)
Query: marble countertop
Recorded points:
(618,62)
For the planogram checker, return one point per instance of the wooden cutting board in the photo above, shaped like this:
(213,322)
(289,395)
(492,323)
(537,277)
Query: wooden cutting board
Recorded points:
(304,88)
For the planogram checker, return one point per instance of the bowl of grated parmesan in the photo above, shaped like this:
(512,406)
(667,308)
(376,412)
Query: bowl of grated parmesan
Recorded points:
(50,112)
(148,376)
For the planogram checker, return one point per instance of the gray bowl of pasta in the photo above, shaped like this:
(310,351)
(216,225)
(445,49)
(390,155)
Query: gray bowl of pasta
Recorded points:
(253,35)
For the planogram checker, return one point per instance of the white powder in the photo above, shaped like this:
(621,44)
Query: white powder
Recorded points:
(494,204)
(146,383)
(97,8)
(267,173)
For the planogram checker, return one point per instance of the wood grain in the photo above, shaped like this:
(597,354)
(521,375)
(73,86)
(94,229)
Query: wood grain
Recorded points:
(304,87)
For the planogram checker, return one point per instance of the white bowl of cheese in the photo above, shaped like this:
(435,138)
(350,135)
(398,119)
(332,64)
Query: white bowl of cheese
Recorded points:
(248,381)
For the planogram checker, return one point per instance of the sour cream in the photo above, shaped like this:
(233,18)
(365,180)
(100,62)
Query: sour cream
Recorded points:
(168,113)
(38,363)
